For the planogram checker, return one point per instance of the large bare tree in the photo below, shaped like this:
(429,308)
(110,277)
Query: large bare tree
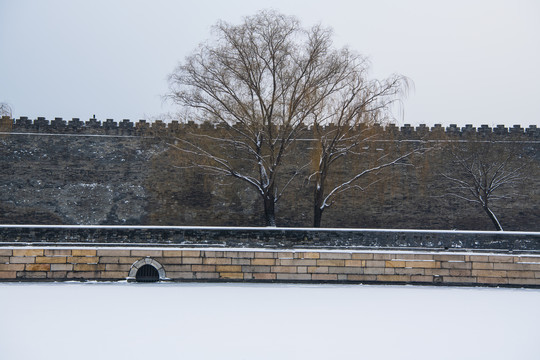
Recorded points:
(262,82)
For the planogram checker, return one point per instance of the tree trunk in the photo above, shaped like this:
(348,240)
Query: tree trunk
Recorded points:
(317,216)
(318,198)
(493,218)
(269,210)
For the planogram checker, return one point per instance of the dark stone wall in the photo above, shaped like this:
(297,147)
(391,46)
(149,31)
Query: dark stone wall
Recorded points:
(74,172)
(72,179)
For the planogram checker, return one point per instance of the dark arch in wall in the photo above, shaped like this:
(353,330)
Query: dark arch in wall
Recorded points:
(147,273)
(148,268)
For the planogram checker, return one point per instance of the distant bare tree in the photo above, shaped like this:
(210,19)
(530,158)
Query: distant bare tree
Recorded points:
(5,117)
(261,82)
(484,171)
(5,109)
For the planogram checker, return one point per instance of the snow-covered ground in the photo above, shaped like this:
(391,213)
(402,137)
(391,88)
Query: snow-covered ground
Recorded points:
(265,321)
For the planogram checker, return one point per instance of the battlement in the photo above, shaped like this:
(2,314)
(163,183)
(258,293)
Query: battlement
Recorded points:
(127,127)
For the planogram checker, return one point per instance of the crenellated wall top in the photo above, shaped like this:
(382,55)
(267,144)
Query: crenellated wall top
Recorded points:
(141,127)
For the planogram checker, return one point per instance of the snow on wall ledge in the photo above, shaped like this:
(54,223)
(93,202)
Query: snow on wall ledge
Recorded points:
(334,266)
(282,238)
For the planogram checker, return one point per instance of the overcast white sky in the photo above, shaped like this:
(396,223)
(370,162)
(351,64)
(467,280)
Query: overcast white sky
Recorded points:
(471,61)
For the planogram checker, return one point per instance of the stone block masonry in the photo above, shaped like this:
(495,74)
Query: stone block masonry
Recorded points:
(123,173)
(271,265)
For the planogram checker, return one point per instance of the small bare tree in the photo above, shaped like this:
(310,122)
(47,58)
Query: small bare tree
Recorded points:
(5,109)
(484,171)
(5,117)
(261,83)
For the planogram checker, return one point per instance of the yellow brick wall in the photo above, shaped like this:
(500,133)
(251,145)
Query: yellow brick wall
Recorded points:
(49,263)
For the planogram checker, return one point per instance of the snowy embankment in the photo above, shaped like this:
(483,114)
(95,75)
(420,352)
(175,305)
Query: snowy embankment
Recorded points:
(232,321)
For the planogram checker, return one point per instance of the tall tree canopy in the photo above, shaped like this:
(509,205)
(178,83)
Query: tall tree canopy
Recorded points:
(263,82)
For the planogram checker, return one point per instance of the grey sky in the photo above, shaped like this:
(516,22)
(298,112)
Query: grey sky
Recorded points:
(471,61)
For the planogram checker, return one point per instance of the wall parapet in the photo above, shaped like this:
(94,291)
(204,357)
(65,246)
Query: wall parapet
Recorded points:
(127,127)
(272,238)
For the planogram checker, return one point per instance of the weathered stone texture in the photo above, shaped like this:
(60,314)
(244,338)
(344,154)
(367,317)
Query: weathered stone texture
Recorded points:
(121,177)
(22,259)
(51,260)
(37,267)
(28,252)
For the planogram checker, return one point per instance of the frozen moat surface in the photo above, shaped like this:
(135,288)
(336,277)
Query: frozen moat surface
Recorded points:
(265,321)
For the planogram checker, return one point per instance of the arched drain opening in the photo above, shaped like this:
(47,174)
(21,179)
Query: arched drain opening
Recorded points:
(147,270)
(147,273)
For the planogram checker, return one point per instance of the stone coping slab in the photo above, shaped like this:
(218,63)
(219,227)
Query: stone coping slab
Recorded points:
(272,238)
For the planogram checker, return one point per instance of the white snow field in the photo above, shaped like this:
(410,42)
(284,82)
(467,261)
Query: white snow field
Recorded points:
(266,321)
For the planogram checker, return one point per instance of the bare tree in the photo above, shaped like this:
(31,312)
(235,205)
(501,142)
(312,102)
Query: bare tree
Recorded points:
(261,82)
(484,171)
(344,122)
(5,109)
(5,117)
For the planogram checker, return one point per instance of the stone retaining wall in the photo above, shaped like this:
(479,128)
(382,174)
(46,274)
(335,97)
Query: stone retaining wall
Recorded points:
(334,266)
